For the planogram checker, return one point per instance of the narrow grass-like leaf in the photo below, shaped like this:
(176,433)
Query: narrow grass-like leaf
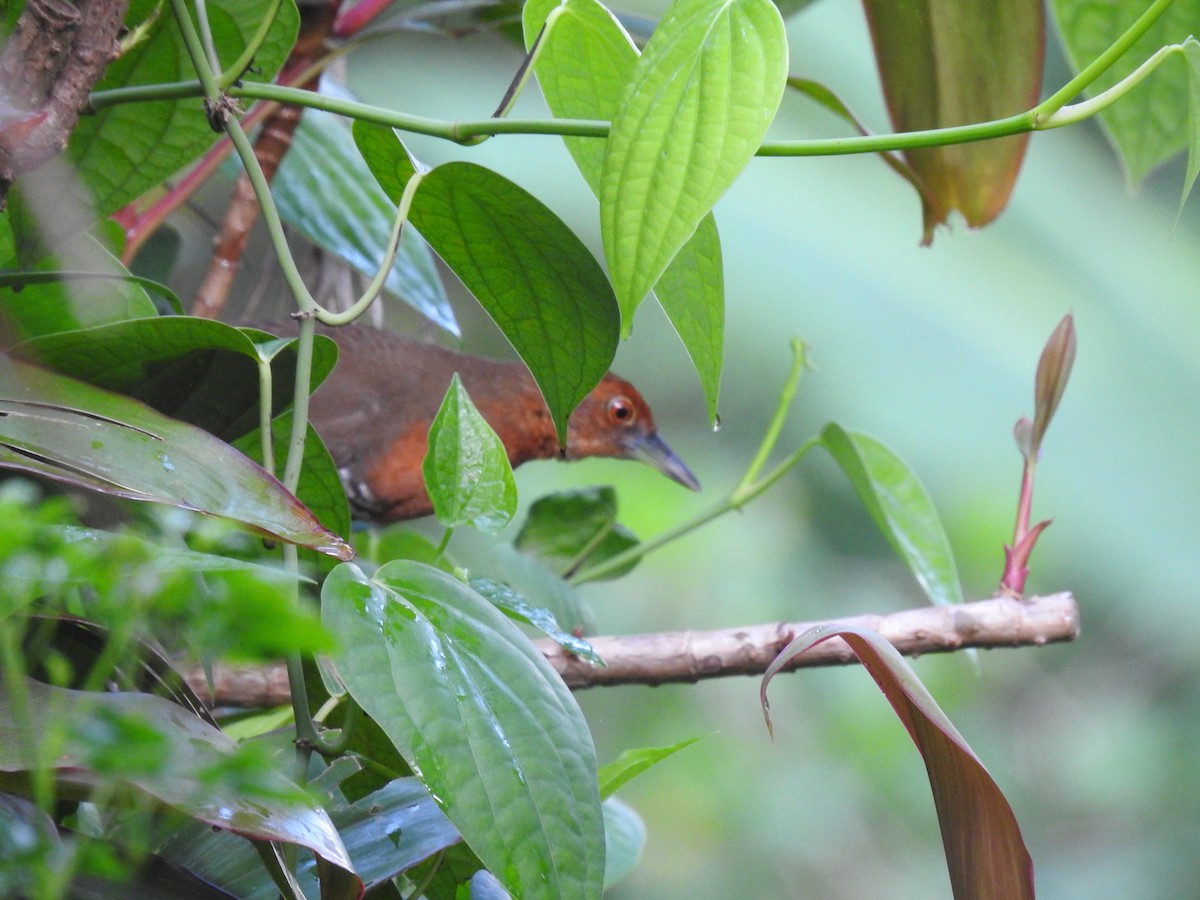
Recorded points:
(65,429)
(960,62)
(702,95)
(1147,127)
(176,760)
(482,719)
(985,853)
(901,508)
(535,278)
(586,61)
(466,469)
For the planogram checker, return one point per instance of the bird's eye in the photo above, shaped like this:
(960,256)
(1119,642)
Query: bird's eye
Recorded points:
(621,411)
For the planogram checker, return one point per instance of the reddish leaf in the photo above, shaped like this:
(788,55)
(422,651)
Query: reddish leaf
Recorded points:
(960,62)
(985,853)
(65,429)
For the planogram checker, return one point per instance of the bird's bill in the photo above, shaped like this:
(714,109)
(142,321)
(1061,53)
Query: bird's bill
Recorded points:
(654,451)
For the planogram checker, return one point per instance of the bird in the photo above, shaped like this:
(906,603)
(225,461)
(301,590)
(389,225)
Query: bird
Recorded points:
(374,410)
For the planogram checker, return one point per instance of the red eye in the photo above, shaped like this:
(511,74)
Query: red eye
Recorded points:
(621,411)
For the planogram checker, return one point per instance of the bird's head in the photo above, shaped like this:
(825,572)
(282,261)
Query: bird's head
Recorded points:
(614,420)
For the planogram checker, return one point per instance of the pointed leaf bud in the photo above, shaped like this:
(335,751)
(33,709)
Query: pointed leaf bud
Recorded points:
(1053,371)
(1023,433)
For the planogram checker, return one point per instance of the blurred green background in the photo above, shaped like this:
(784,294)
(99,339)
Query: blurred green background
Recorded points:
(933,351)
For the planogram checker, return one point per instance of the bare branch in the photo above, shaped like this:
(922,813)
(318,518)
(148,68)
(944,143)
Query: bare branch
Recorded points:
(688,656)
(49,65)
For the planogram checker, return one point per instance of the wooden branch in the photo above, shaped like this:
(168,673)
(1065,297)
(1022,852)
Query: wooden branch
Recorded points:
(689,656)
(51,62)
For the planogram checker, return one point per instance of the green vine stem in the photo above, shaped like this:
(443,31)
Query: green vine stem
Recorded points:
(1051,113)
(749,487)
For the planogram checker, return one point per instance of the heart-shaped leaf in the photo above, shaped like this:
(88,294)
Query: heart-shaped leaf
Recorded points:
(466,469)
(583,66)
(701,97)
(481,718)
(535,278)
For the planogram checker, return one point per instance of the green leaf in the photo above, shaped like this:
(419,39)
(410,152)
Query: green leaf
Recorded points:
(466,469)
(163,752)
(532,580)
(535,278)
(521,610)
(124,150)
(325,191)
(569,529)
(901,508)
(482,719)
(702,95)
(985,853)
(385,833)
(1147,127)
(65,429)
(53,306)
(624,840)
(196,370)
(632,763)
(959,62)
(320,488)
(583,67)
(1191,52)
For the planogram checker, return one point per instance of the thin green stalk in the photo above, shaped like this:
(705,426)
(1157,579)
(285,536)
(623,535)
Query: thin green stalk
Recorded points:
(385,267)
(265,392)
(1101,63)
(749,487)
(270,216)
(1085,109)
(204,31)
(239,66)
(191,40)
(467,131)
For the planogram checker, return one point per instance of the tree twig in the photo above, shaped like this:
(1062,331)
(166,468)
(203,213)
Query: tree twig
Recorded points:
(689,656)
(51,62)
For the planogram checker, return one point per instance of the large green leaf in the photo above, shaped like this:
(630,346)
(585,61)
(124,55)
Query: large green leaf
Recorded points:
(325,192)
(481,718)
(466,469)
(535,278)
(959,62)
(1150,125)
(124,150)
(65,429)
(385,833)
(583,66)
(75,302)
(196,370)
(900,506)
(693,115)
(163,752)
(985,853)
